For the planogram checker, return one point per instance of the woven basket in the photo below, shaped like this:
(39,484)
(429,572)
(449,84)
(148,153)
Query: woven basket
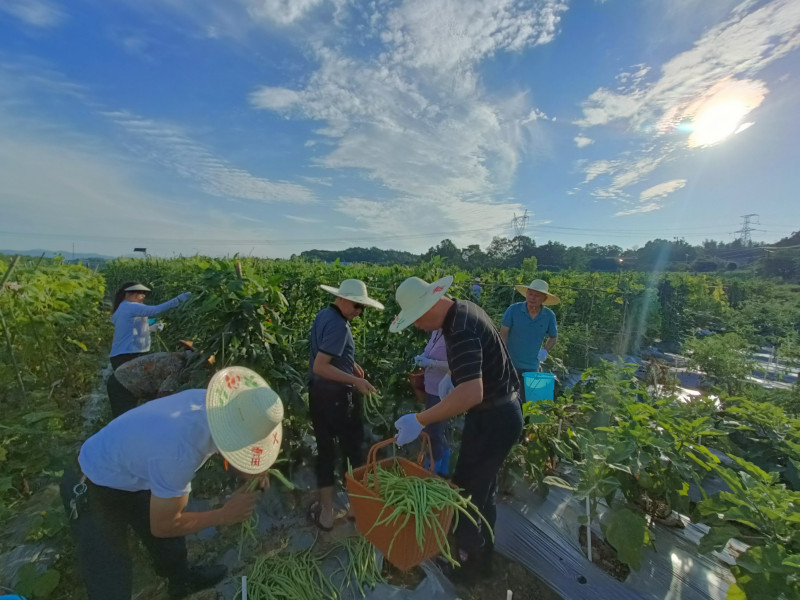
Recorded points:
(406,552)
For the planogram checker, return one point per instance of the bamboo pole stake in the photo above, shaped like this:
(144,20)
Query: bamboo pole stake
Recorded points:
(7,333)
(588,530)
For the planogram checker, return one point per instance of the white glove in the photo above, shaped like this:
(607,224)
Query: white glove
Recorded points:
(445,386)
(157,326)
(542,355)
(184,296)
(408,429)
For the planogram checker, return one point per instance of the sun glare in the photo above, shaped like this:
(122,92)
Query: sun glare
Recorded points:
(716,121)
(718,113)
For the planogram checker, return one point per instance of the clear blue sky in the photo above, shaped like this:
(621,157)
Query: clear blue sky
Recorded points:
(274,126)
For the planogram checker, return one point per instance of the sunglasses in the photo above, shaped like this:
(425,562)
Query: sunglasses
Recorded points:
(358,306)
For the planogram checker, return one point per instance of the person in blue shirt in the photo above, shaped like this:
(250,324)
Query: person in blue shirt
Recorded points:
(525,325)
(131,321)
(476,289)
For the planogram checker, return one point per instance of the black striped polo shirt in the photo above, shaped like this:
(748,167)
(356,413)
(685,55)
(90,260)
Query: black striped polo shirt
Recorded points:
(475,350)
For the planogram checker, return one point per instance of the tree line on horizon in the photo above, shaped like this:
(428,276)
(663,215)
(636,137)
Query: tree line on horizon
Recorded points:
(781,259)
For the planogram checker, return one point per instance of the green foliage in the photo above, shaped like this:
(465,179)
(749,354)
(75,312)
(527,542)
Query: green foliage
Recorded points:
(35,584)
(58,333)
(55,326)
(762,513)
(627,532)
(723,359)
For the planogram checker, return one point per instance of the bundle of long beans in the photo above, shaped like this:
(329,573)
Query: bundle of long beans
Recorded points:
(248,529)
(289,576)
(362,564)
(423,498)
(373,409)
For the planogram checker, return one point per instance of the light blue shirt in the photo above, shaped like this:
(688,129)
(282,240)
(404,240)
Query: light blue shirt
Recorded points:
(131,328)
(526,334)
(156,446)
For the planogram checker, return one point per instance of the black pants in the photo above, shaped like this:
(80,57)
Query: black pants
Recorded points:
(121,359)
(485,443)
(101,535)
(335,414)
(120,399)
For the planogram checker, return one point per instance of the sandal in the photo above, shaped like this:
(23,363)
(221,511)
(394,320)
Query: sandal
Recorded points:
(313,513)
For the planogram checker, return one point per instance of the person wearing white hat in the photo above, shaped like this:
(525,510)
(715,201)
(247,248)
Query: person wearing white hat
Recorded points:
(336,382)
(131,321)
(525,325)
(137,473)
(485,385)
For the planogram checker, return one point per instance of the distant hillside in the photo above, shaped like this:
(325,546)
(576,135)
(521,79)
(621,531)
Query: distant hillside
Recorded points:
(371,255)
(51,254)
(792,240)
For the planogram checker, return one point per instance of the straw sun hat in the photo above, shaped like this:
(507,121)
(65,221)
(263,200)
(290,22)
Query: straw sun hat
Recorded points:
(539,285)
(244,416)
(416,297)
(354,290)
(138,288)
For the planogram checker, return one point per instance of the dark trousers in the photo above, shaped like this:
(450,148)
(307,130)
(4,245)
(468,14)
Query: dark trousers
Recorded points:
(336,415)
(485,443)
(121,359)
(436,431)
(120,399)
(101,535)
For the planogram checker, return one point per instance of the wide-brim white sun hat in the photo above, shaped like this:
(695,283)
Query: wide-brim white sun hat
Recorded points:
(539,285)
(138,288)
(416,297)
(244,416)
(354,290)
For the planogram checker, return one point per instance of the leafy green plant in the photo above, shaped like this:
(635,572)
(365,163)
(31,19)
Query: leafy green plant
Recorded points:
(765,515)
(723,359)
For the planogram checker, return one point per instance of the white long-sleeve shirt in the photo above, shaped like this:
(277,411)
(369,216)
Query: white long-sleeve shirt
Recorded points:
(131,330)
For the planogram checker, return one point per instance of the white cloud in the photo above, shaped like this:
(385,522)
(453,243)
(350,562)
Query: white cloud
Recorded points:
(273,98)
(38,13)
(446,34)
(582,141)
(639,209)
(413,116)
(65,190)
(698,97)
(303,219)
(739,47)
(648,197)
(407,220)
(169,146)
(600,167)
(662,189)
(282,12)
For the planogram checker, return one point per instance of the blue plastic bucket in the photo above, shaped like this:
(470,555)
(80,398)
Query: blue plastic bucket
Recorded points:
(539,386)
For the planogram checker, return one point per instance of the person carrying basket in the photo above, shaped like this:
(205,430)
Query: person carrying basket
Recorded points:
(526,324)
(485,385)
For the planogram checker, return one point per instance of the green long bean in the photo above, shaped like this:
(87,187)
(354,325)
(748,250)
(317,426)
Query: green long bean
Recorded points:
(422,498)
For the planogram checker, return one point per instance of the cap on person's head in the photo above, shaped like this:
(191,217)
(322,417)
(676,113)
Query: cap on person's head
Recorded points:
(354,290)
(244,416)
(138,288)
(416,297)
(541,286)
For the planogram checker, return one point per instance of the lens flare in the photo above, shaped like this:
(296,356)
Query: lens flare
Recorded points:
(716,121)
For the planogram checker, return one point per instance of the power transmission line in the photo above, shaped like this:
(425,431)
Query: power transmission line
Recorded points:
(519,223)
(747,229)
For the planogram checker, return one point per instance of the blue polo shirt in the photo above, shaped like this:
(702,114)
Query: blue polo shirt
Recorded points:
(331,335)
(525,334)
